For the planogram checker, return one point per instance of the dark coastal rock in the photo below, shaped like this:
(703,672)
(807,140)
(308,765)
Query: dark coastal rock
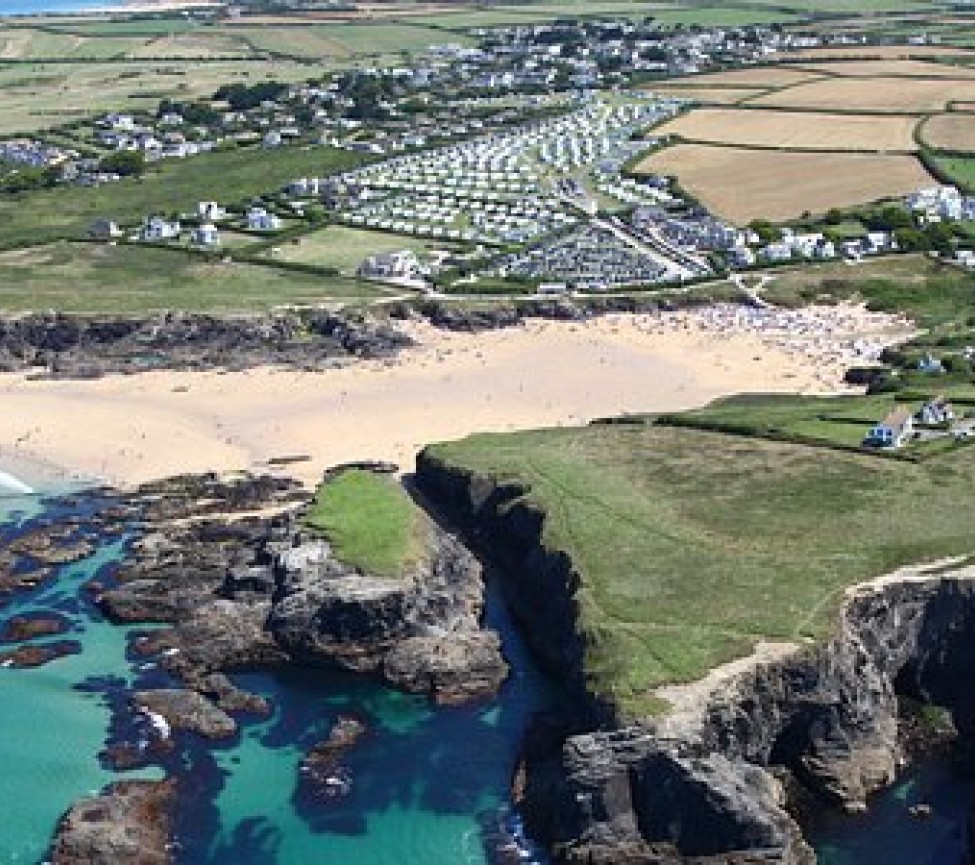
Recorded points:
(701,781)
(129,824)
(321,777)
(68,346)
(25,657)
(187,710)
(421,633)
(29,627)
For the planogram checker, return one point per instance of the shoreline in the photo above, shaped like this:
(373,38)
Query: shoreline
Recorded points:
(125,430)
(122,7)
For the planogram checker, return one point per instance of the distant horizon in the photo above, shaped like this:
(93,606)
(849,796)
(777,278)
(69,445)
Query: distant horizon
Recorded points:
(42,7)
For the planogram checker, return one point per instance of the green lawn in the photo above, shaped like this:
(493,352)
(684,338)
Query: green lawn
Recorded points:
(933,294)
(91,278)
(961,170)
(344,248)
(692,546)
(371,522)
(175,186)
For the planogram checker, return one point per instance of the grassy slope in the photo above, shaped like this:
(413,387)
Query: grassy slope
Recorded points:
(175,185)
(694,545)
(370,520)
(89,278)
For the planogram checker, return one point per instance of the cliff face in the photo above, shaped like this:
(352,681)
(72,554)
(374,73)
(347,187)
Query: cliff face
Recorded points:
(701,781)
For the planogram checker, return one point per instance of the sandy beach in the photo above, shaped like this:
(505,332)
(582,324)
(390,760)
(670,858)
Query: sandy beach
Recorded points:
(128,429)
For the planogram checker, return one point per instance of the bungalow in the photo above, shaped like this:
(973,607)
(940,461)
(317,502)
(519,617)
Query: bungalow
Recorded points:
(258,219)
(893,431)
(935,411)
(206,235)
(158,228)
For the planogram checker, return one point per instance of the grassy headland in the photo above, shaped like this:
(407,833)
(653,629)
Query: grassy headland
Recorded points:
(692,545)
(370,520)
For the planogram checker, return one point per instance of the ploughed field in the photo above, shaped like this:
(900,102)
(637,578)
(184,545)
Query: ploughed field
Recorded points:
(692,546)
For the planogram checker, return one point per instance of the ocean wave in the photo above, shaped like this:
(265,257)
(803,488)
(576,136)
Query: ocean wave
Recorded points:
(9,483)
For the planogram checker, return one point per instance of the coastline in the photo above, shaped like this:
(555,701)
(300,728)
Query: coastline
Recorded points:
(126,430)
(101,7)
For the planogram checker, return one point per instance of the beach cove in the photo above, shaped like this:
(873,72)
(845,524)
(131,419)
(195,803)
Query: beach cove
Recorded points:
(126,430)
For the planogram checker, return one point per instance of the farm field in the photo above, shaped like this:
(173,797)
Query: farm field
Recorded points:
(893,95)
(345,248)
(36,96)
(693,546)
(798,130)
(891,68)
(90,278)
(760,77)
(231,177)
(953,131)
(880,52)
(707,95)
(743,185)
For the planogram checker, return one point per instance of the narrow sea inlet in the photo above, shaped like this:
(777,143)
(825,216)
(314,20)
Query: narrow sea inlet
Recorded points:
(424,784)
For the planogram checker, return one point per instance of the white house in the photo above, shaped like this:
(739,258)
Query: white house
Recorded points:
(893,431)
(158,228)
(272,139)
(391,265)
(935,411)
(210,211)
(206,235)
(258,219)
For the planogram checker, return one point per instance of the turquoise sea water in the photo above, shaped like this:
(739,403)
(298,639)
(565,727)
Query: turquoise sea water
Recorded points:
(427,785)
(51,731)
(49,7)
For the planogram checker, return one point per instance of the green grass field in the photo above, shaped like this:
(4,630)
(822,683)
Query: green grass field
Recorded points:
(173,186)
(961,170)
(92,278)
(371,522)
(933,294)
(344,248)
(692,546)
(40,95)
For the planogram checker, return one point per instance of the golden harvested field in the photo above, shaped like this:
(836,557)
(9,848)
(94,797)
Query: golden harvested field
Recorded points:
(880,52)
(950,132)
(762,77)
(714,95)
(895,95)
(743,185)
(892,68)
(798,130)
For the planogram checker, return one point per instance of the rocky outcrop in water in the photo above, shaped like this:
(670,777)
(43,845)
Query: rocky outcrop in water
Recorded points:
(256,592)
(321,776)
(701,781)
(129,824)
(420,632)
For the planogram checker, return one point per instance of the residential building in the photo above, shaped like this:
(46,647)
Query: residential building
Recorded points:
(258,219)
(893,431)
